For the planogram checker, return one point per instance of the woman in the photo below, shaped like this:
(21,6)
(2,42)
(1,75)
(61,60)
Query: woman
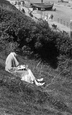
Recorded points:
(22,71)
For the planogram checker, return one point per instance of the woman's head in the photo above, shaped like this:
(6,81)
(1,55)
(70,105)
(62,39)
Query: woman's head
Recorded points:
(14,54)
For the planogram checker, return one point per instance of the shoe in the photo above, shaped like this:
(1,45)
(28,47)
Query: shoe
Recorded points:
(41,79)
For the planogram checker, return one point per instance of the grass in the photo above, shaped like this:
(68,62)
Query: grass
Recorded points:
(21,98)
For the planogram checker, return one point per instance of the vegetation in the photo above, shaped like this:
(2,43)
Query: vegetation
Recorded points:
(40,44)
(33,39)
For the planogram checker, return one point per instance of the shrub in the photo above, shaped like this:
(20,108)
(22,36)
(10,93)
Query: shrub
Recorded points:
(39,38)
(64,45)
(34,38)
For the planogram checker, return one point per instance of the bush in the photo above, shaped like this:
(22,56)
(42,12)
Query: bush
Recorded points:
(39,38)
(34,38)
(11,23)
(64,45)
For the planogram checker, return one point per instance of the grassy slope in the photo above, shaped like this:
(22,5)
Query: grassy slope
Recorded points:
(21,98)
(6,5)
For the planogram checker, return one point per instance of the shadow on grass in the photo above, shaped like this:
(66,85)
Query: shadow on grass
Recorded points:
(48,54)
(32,94)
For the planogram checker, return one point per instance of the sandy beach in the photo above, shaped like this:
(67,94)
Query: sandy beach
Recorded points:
(63,13)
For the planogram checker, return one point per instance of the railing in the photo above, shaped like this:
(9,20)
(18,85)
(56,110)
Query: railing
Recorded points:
(63,22)
(59,20)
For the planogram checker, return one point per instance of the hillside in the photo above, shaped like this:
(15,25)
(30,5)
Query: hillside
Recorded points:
(48,55)
(6,5)
(20,98)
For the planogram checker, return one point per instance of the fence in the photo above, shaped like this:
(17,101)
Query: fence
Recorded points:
(63,22)
(59,20)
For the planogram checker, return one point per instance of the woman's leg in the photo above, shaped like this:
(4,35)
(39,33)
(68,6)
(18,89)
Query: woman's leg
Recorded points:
(33,79)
